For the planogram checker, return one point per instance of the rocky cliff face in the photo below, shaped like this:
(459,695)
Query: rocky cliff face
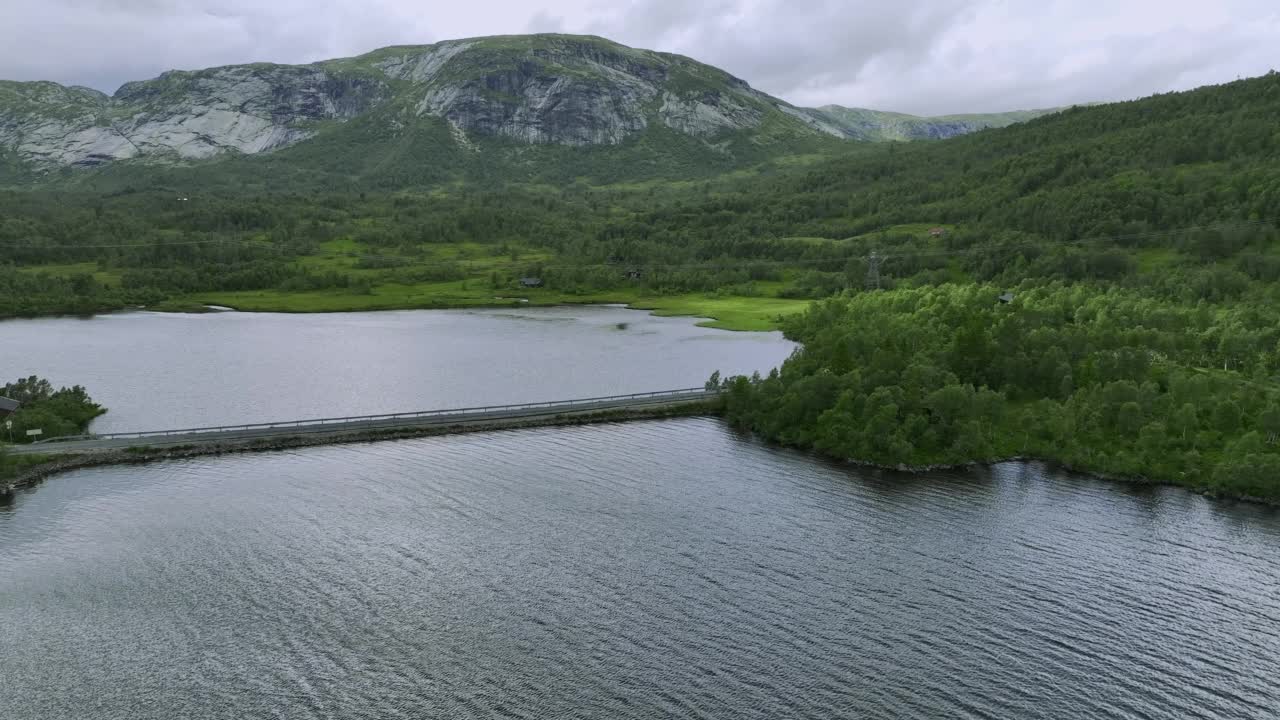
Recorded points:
(534,89)
(538,89)
(564,94)
(581,91)
(247,109)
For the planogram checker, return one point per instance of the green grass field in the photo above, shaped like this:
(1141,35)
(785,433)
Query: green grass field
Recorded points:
(726,313)
(477,261)
(723,312)
(917,230)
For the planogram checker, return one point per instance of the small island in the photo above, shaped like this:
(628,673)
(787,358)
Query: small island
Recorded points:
(31,409)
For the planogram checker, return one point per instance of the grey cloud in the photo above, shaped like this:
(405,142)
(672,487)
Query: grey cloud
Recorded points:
(659,20)
(102,44)
(941,56)
(544,22)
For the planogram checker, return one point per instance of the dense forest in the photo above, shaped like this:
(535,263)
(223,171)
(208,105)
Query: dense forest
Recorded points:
(1101,379)
(1138,241)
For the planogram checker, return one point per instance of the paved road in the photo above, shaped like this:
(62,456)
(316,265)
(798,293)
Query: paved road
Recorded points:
(346,426)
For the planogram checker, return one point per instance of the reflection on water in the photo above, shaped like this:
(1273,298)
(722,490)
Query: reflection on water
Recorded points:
(655,569)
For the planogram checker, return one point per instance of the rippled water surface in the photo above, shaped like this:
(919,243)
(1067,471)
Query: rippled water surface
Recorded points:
(645,570)
(163,371)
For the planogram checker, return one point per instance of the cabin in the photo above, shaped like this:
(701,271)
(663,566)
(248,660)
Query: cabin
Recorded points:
(937,232)
(8,407)
(1006,298)
(531,282)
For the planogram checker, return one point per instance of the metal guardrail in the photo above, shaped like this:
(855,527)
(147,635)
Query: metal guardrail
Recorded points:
(687,393)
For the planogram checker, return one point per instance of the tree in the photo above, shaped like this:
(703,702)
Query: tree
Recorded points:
(1129,418)
(28,390)
(1227,416)
(1153,442)
(1269,422)
(1185,421)
(67,411)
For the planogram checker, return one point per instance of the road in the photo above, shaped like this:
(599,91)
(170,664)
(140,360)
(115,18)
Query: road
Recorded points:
(351,425)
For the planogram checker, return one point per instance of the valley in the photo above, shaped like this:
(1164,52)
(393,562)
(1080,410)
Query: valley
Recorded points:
(947,414)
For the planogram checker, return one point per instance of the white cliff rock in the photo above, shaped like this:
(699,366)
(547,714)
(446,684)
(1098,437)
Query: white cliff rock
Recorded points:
(703,119)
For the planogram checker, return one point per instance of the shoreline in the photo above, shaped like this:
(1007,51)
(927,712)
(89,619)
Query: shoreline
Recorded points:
(1055,464)
(700,309)
(1026,459)
(732,313)
(58,464)
(36,474)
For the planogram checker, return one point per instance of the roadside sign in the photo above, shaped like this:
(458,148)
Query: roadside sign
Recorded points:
(33,433)
(8,424)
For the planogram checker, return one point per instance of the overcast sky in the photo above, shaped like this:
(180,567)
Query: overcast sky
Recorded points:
(921,56)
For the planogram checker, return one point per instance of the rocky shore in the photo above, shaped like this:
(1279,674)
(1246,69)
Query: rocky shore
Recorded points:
(139,456)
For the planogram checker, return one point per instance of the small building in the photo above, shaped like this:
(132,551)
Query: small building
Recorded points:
(1006,298)
(531,282)
(937,232)
(8,407)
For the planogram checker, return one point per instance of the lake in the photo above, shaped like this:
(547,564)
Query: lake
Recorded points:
(640,570)
(160,371)
(632,570)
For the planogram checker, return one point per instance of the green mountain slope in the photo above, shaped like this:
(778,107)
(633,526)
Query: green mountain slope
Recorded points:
(1163,162)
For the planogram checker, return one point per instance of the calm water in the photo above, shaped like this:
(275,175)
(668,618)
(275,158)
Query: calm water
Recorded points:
(162,371)
(647,570)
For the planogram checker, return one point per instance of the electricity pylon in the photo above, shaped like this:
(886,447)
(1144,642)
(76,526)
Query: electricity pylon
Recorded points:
(873,271)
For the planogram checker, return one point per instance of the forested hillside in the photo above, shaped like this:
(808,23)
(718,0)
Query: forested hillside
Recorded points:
(1174,194)
(1048,197)
(1110,301)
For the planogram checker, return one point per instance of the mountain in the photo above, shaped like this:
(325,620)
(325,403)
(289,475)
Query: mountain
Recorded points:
(877,125)
(538,89)
(406,111)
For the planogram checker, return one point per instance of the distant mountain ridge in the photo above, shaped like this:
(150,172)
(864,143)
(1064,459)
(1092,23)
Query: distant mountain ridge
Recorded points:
(458,96)
(878,125)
